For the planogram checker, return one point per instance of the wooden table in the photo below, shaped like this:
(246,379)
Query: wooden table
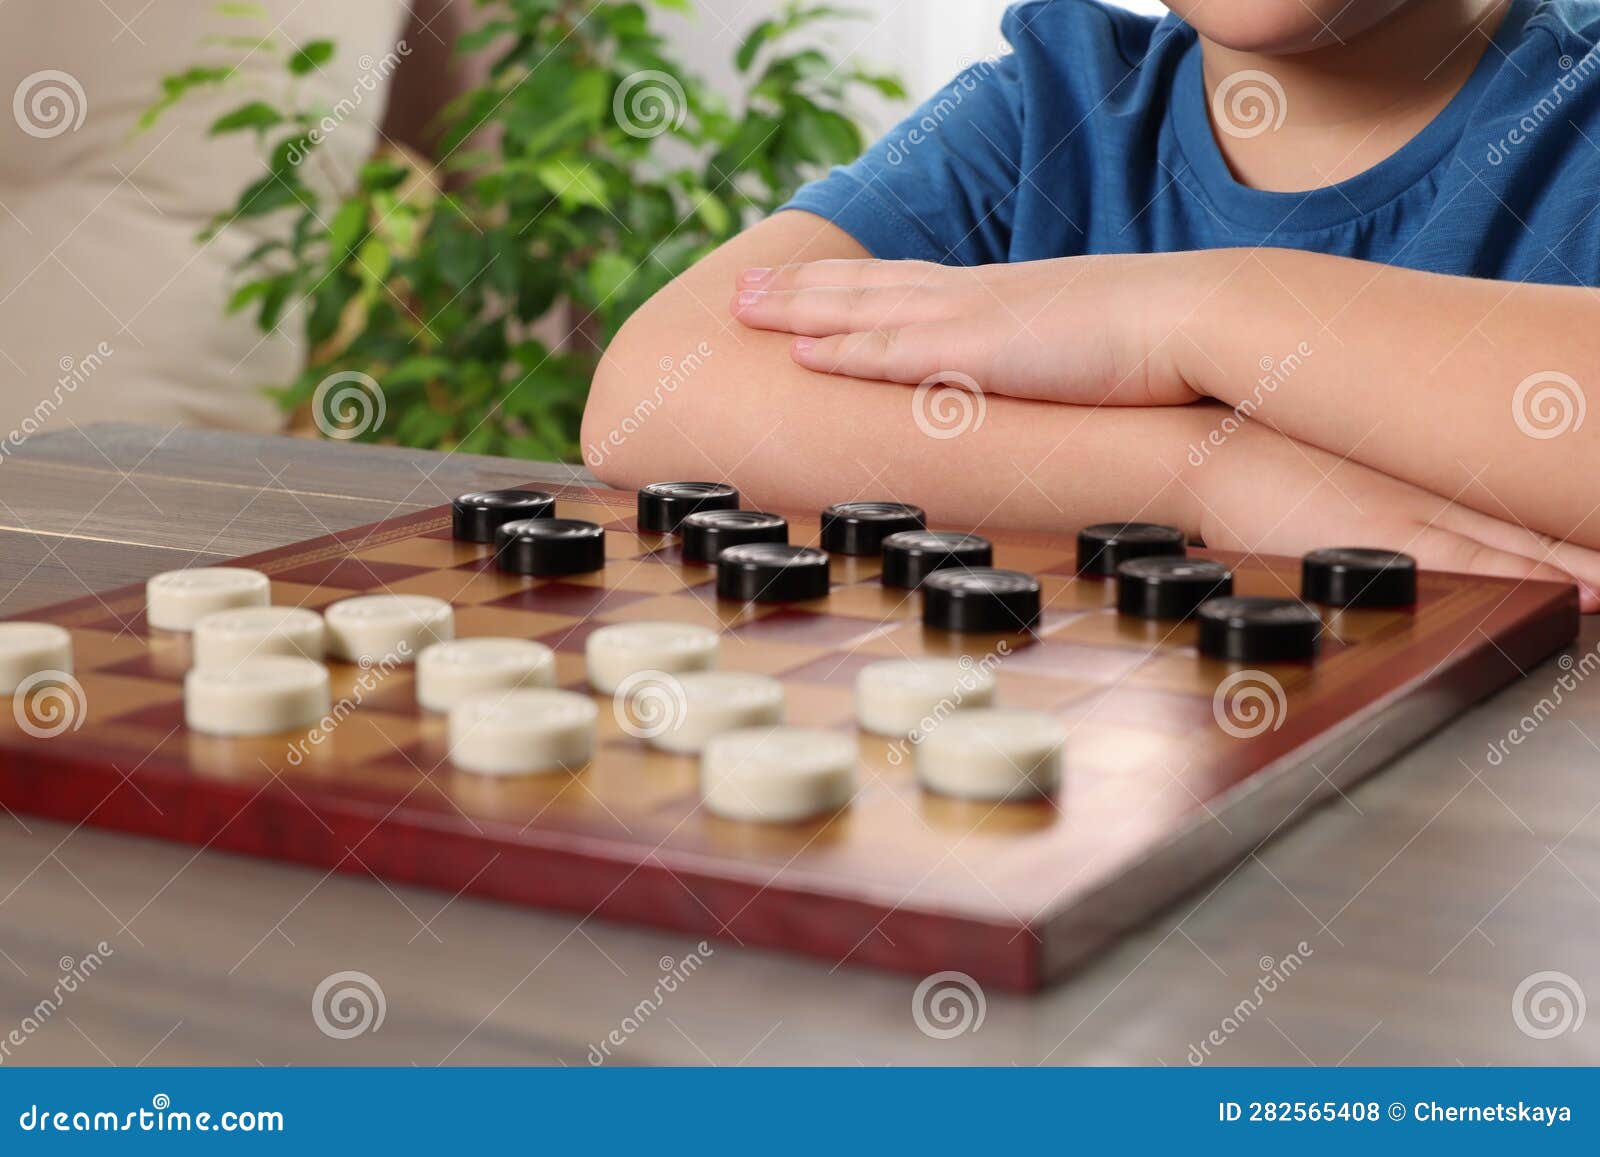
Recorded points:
(1423,899)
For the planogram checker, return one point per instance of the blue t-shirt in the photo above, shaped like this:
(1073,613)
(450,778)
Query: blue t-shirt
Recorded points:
(1092,136)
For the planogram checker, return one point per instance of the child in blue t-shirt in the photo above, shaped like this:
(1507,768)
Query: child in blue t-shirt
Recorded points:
(1284,273)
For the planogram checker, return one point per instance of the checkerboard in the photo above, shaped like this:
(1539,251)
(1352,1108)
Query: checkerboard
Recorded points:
(1164,786)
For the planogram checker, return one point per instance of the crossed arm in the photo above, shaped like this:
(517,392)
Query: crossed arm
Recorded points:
(1399,436)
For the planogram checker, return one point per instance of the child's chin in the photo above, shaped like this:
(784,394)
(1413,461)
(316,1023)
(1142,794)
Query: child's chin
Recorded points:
(1282,27)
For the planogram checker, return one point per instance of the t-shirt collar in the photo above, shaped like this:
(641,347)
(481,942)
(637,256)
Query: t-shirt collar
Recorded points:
(1320,208)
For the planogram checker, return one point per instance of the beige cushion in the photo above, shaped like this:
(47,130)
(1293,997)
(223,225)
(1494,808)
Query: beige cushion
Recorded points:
(97,225)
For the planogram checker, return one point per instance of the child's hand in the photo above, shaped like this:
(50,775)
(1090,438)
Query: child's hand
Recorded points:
(1085,330)
(1263,492)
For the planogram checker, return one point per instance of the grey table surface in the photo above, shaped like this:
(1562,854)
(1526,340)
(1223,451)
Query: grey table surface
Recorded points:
(1445,911)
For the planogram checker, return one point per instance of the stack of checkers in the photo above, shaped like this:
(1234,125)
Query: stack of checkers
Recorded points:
(260,669)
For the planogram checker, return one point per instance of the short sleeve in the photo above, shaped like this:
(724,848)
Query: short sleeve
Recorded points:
(940,186)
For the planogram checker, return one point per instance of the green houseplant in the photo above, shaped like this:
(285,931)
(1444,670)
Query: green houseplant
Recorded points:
(584,174)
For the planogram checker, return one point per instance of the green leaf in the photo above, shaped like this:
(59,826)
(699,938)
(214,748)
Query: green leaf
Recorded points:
(311,56)
(257,115)
(457,253)
(608,274)
(269,295)
(572,183)
(762,34)
(887,86)
(175,87)
(327,308)
(381,174)
(373,262)
(289,152)
(240,8)
(267,195)
(272,303)
(821,135)
(418,370)
(713,214)
(348,223)
(245,294)
(270,245)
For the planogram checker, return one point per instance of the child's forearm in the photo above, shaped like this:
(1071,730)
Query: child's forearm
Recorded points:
(795,440)
(1473,389)
(684,391)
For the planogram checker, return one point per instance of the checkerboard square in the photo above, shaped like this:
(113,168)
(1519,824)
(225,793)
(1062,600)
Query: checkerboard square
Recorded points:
(1141,707)
(313,598)
(563,598)
(697,607)
(1109,629)
(355,574)
(462,587)
(1070,660)
(790,624)
(648,576)
(427,552)
(507,623)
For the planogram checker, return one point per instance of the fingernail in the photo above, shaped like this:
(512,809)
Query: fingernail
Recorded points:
(748,297)
(804,344)
(755,276)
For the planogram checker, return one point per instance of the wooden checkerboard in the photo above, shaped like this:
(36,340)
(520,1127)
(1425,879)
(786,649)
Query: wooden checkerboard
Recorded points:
(1158,796)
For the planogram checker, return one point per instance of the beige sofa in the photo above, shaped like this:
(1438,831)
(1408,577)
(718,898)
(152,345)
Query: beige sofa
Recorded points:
(109,307)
